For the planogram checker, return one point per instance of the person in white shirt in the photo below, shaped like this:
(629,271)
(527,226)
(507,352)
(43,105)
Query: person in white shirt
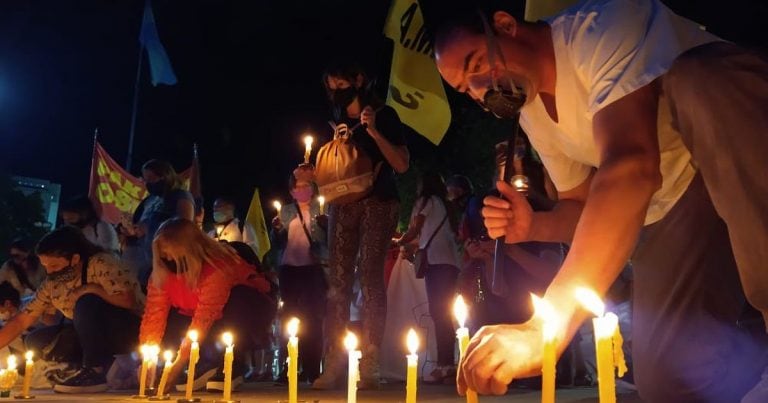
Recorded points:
(653,131)
(433,223)
(229,228)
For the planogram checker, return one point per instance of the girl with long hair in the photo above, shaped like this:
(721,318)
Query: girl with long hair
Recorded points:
(79,212)
(201,284)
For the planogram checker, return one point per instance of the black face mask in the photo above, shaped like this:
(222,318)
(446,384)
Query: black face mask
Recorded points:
(156,188)
(170,264)
(67,273)
(504,103)
(343,97)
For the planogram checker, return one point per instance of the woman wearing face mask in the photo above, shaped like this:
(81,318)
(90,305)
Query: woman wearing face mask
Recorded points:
(167,199)
(298,233)
(88,286)
(360,231)
(79,212)
(202,284)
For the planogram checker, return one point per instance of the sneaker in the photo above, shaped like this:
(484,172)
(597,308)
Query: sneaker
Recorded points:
(201,379)
(87,380)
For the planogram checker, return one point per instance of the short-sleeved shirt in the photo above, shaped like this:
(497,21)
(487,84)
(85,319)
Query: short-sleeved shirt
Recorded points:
(391,128)
(103,269)
(443,249)
(605,50)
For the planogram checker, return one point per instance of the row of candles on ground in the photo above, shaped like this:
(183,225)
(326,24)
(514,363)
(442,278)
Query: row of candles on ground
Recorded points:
(149,359)
(608,343)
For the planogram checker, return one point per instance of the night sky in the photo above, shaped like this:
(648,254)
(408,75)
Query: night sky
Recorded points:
(249,81)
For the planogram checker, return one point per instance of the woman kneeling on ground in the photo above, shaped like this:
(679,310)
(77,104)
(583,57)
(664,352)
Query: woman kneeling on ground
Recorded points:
(200,284)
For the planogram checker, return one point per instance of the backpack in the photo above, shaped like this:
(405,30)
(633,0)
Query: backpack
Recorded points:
(344,172)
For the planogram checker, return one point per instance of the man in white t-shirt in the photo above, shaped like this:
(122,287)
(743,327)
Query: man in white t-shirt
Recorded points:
(651,129)
(227,227)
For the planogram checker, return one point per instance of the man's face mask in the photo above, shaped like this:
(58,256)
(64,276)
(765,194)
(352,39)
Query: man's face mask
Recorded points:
(504,103)
(221,216)
(342,97)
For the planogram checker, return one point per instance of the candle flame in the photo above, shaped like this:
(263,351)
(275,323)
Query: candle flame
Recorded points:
(227,338)
(321,200)
(350,342)
(153,350)
(277,205)
(308,141)
(29,354)
(12,363)
(460,310)
(546,312)
(143,350)
(412,341)
(590,301)
(168,355)
(193,335)
(293,327)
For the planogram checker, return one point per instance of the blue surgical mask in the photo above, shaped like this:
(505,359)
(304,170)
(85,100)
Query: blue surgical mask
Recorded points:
(220,217)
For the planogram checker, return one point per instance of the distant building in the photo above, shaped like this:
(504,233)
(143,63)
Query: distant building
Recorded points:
(49,193)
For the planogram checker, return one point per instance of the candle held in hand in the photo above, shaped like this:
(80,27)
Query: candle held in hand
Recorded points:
(307,148)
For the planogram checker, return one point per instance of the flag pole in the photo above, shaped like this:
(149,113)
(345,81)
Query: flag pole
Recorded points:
(129,158)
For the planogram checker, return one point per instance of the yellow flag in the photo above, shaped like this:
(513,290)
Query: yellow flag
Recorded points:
(416,90)
(255,217)
(538,9)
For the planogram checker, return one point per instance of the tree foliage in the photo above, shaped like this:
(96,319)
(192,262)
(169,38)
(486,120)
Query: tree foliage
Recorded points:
(20,215)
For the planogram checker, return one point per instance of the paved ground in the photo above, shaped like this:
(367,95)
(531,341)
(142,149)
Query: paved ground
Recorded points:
(268,393)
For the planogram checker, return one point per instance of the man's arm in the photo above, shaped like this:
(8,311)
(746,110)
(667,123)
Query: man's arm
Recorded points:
(15,327)
(619,194)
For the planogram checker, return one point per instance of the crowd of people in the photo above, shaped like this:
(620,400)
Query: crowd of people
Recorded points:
(628,163)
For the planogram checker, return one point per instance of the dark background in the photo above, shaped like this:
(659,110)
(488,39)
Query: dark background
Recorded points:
(249,83)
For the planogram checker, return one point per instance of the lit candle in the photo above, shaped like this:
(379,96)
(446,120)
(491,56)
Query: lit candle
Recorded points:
(546,313)
(412,341)
(194,356)
(144,349)
(307,148)
(321,201)
(462,333)
(608,341)
(277,205)
(11,374)
(168,356)
(350,342)
(29,368)
(229,357)
(293,360)
(154,353)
